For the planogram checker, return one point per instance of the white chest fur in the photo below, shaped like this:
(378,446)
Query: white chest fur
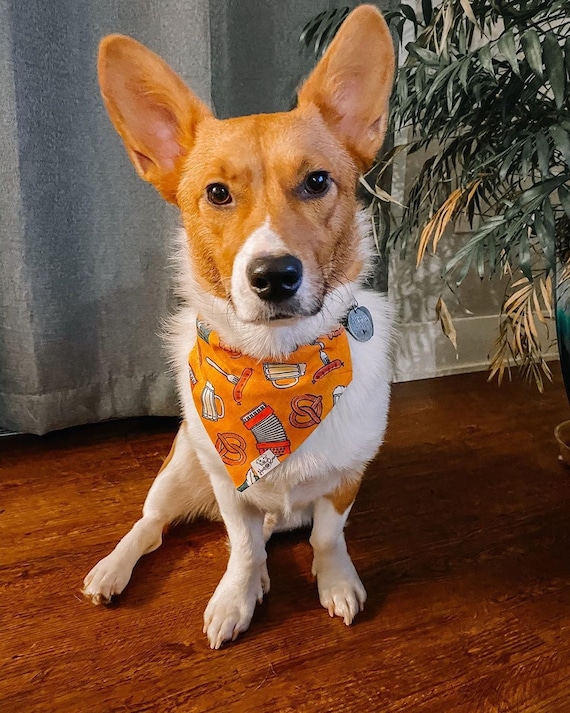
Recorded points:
(346,440)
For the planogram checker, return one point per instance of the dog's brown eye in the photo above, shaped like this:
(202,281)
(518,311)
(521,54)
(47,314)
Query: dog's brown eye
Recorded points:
(218,194)
(317,183)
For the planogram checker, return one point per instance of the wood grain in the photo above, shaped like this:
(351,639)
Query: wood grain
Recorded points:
(461,534)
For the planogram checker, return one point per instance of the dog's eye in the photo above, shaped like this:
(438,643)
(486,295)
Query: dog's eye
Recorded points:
(317,183)
(218,194)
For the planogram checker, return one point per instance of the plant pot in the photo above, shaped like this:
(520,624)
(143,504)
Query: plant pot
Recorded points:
(562,312)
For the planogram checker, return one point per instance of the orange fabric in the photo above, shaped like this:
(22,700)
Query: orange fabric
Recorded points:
(258,412)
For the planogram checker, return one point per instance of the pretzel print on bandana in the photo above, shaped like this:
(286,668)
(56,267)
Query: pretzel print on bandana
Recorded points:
(256,413)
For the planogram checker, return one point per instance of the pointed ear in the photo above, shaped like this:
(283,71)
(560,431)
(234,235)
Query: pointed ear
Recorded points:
(151,108)
(352,83)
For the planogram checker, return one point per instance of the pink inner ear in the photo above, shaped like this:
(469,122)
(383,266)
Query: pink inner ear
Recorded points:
(156,131)
(347,101)
(378,126)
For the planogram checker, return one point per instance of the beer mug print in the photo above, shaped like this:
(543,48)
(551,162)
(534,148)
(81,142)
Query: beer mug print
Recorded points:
(337,393)
(204,330)
(212,404)
(284,376)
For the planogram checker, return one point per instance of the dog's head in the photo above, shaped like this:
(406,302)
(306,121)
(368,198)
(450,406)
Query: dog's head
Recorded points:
(268,201)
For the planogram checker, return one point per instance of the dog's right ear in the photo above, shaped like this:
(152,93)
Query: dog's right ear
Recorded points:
(151,108)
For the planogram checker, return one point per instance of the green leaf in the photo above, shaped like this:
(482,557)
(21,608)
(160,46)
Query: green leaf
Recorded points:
(542,232)
(547,212)
(543,154)
(525,157)
(427,11)
(564,195)
(438,80)
(399,28)
(425,56)
(467,252)
(409,13)
(492,256)
(533,51)
(524,256)
(507,48)
(541,190)
(451,93)
(329,30)
(311,28)
(561,141)
(481,262)
(486,60)
(402,87)
(546,235)
(548,245)
(508,162)
(464,270)
(554,63)
(463,73)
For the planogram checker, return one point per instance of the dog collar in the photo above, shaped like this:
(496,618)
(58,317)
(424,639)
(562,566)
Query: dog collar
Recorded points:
(256,413)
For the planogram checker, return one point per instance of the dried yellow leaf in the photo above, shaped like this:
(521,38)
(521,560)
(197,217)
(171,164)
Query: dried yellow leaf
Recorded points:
(446,322)
(546,289)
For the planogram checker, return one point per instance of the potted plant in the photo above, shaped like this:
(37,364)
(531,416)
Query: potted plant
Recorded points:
(484,92)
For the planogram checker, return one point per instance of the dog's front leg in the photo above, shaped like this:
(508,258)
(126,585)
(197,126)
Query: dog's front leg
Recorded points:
(341,592)
(180,491)
(245,581)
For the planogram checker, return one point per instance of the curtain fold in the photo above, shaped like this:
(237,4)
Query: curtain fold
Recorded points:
(84,243)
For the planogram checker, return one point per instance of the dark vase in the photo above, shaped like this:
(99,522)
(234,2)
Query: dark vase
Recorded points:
(562,308)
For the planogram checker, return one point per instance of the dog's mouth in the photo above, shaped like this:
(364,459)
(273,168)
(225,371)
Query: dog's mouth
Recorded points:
(280,313)
(298,314)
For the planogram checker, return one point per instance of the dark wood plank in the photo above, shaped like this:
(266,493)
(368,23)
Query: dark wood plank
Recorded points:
(461,535)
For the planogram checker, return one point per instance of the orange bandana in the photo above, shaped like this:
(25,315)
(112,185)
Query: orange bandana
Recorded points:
(257,413)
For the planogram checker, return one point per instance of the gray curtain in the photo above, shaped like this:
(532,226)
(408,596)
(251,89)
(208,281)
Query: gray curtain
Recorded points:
(84,244)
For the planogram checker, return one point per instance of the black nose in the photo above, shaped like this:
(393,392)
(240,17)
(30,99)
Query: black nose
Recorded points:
(275,278)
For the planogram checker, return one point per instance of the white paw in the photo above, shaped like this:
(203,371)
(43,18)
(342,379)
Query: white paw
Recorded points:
(107,578)
(341,592)
(230,609)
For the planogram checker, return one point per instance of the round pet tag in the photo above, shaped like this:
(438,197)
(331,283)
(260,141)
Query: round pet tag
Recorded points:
(359,323)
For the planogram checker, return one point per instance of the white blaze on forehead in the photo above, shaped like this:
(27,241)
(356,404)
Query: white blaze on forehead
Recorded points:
(263,241)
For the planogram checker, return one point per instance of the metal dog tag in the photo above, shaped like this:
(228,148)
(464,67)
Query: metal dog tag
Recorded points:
(359,323)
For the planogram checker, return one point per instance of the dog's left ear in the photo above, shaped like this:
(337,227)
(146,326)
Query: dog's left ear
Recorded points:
(352,83)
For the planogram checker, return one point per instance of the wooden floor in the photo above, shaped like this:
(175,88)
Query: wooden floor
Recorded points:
(461,535)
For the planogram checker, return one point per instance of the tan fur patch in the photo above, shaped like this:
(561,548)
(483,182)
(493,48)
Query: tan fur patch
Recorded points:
(169,456)
(343,497)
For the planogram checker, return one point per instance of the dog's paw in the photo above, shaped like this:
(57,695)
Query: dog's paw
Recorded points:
(108,578)
(341,592)
(231,607)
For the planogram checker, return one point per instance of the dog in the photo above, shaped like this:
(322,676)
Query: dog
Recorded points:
(281,357)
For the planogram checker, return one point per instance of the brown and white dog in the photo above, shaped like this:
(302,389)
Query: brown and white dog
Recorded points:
(273,254)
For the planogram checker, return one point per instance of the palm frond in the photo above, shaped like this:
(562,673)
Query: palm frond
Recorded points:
(483,94)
